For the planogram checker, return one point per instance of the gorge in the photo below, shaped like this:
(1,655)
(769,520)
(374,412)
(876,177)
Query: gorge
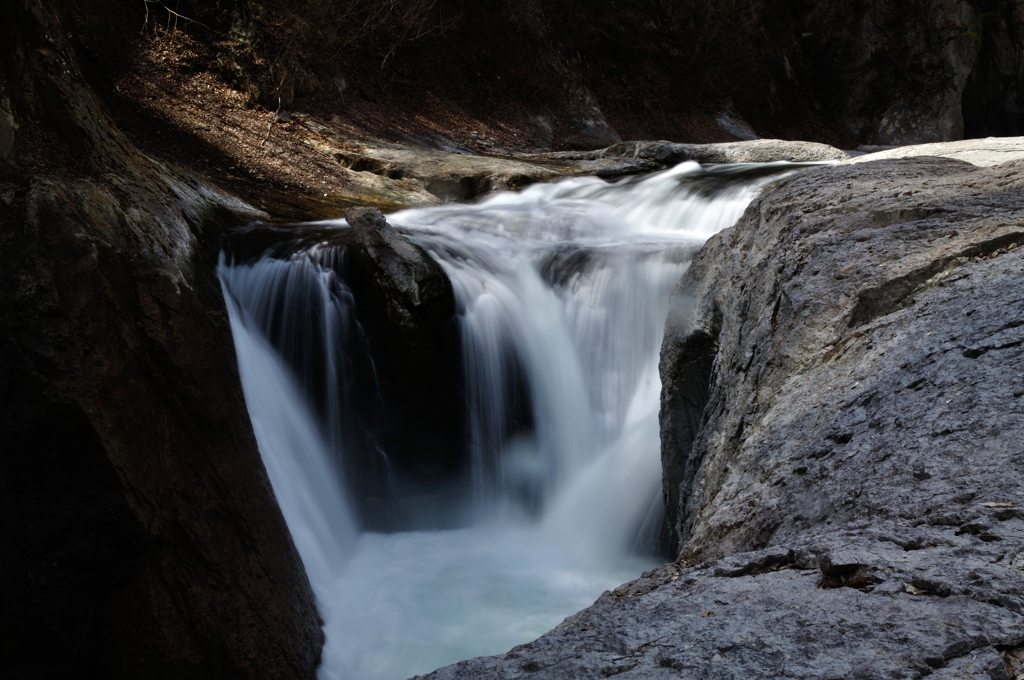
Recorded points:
(243,437)
(561,292)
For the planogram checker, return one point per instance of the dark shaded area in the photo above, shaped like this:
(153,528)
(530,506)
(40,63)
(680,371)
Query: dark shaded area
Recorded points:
(993,99)
(570,74)
(407,306)
(565,74)
(69,544)
(140,534)
(686,367)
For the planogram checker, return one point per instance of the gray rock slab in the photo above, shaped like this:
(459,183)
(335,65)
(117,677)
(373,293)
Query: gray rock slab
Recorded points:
(869,326)
(749,619)
(981,152)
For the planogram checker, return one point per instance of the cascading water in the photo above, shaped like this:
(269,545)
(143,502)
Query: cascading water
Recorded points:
(562,292)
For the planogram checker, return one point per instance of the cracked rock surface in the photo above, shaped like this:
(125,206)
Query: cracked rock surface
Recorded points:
(842,440)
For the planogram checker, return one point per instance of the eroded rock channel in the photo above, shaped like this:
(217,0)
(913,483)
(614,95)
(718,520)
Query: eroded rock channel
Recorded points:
(842,418)
(841,378)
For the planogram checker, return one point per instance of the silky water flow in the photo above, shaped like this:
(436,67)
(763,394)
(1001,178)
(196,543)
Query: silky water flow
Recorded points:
(562,292)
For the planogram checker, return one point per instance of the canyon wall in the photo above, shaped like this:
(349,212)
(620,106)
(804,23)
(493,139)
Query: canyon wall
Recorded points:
(140,535)
(570,74)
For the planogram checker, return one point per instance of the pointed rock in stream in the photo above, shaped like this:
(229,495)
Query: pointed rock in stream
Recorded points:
(406,303)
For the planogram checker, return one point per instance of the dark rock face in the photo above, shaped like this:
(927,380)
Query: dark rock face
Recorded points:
(893,75)
(406,304)
(139,536)
(923,71)
(993,103)
(842,428)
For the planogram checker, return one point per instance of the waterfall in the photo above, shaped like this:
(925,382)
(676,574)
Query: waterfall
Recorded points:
(562,292)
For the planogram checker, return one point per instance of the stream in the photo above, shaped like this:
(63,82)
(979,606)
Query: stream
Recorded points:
(562,291)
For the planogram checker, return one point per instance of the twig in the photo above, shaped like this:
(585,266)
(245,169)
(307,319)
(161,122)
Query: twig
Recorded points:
(145,23)
(182,16)
(270,125)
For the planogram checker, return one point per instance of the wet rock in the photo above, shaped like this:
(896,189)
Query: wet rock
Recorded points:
(405,301)
(409,277)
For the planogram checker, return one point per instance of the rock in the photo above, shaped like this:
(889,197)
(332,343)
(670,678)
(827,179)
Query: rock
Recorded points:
(842,418)
(405,301)
(847,332)
(667,154)
(389,176)
(992,103)
(857,313)
(864,52)
(979,664)
(139,535)
(7,127)
(402,270)
(981,152)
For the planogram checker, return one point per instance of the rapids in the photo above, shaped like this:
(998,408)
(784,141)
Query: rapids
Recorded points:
(562,292)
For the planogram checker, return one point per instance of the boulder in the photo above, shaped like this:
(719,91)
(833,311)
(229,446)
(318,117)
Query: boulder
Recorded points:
(405,302)
(864,326)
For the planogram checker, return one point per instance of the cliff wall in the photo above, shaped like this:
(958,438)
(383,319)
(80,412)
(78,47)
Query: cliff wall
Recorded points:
(140,535)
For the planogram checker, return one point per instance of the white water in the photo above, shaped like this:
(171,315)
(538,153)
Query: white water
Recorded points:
(563,289)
